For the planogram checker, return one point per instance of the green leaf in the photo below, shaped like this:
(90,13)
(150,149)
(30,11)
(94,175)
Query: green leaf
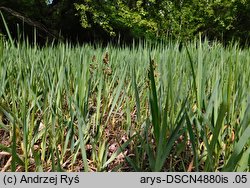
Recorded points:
(237,151)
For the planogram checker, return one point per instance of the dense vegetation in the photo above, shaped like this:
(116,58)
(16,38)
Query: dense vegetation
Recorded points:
(175,99)
(145,108)
(88,20)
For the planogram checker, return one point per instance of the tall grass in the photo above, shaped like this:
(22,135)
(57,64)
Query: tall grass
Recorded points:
(163,107)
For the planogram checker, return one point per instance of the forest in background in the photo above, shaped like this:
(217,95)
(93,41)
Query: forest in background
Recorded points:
(107,20)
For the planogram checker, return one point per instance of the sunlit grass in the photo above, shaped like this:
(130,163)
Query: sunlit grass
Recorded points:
(140,108)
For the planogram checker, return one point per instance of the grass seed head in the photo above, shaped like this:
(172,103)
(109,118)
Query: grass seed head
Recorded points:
(106,58)
(94,58)
(107,71)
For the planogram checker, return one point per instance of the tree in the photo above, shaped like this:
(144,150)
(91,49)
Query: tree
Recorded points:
(89,20)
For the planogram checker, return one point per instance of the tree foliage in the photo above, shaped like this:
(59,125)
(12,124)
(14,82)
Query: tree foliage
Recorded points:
(220,19)
(107,19)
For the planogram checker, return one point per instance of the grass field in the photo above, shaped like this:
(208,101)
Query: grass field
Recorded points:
(138,108)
